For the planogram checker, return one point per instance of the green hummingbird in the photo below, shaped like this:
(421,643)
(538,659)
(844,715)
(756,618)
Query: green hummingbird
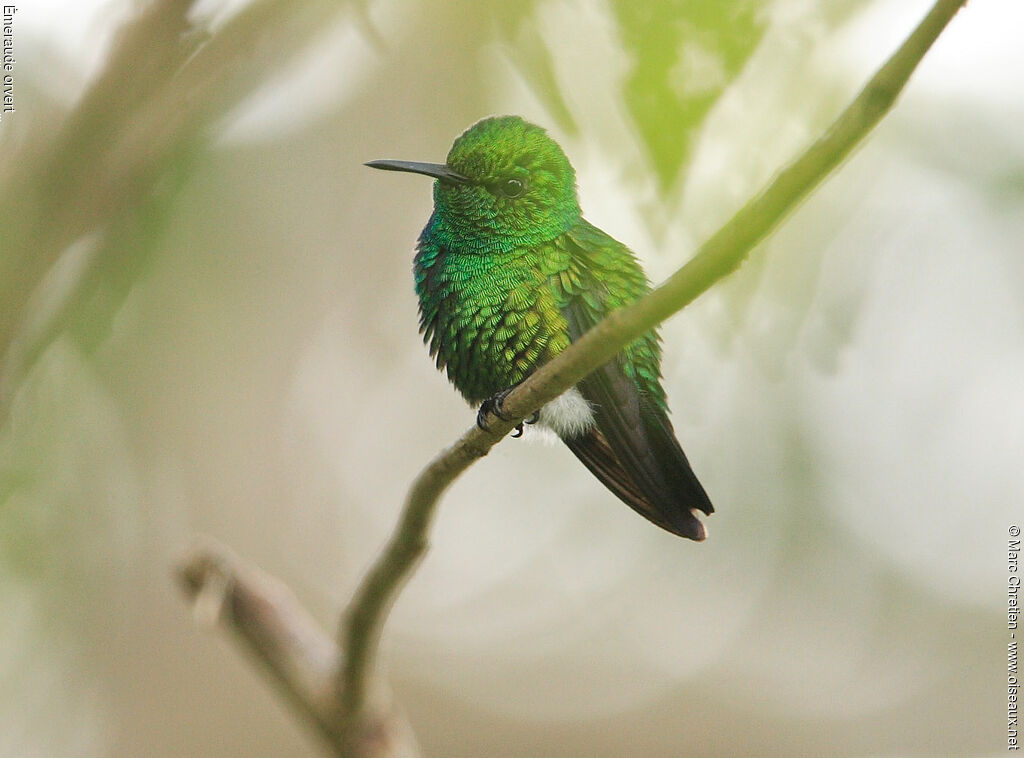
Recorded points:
(508,274)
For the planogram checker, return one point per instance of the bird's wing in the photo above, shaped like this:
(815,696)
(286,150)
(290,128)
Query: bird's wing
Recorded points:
(633,449)
(596,454)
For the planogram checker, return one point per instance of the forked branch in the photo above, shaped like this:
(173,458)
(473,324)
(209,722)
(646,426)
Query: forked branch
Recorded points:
(355,712)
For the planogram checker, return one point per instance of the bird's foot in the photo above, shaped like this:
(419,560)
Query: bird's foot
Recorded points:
(533,419)
(493,405)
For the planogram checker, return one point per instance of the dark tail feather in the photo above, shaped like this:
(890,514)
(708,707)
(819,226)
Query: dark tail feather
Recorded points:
(673,464)
(595,453)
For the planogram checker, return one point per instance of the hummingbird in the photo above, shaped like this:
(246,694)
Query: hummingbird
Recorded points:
(508,273)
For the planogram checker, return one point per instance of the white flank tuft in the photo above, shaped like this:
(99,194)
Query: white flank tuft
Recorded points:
(568,415)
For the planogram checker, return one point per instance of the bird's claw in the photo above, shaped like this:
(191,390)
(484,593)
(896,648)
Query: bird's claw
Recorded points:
(493,405)
(533,419)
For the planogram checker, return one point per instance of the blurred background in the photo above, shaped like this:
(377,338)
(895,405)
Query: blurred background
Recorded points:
(207,326)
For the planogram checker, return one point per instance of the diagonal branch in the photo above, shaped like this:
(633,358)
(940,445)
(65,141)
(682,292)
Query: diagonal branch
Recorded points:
(270,624)
(719,256)
(268,619)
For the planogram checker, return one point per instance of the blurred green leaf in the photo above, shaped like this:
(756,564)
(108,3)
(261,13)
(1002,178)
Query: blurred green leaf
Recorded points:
(685,55)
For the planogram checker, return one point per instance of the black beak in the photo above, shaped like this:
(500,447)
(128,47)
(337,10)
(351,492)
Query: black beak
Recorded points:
(436,170)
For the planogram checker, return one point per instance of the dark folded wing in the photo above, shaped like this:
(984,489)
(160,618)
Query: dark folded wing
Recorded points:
(633,449)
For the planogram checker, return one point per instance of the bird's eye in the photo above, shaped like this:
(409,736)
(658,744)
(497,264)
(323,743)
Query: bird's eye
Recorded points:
(512,188)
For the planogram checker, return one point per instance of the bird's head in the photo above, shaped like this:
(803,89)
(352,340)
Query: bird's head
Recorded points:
(505,184)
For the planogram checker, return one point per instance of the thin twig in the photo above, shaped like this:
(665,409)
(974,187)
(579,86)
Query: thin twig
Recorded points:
(272,626)
(719,256)
(268,619)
